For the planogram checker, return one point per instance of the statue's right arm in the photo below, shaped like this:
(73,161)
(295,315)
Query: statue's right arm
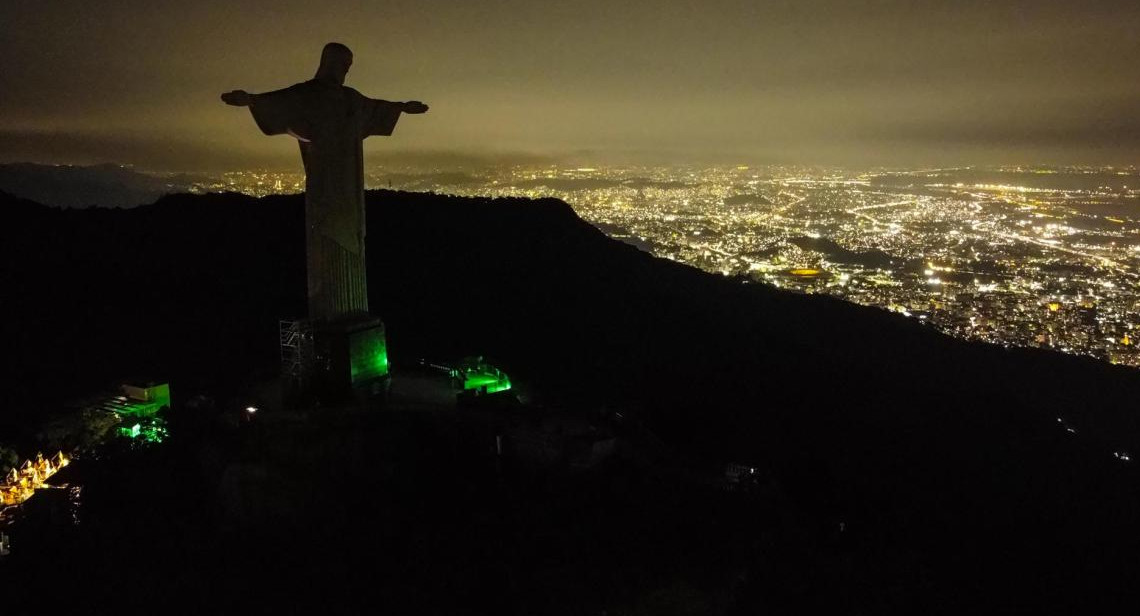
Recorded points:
(414,107)
(238,98)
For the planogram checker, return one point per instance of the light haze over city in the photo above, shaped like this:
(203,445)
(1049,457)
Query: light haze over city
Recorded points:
(806,82)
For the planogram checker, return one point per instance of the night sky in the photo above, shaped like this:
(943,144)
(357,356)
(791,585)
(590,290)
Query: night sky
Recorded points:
(811,81)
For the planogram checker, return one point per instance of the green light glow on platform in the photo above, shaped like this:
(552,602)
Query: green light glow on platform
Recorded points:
(488,382)
(368,351)
(141,405)
(475,375)
(140,402)
(152,432)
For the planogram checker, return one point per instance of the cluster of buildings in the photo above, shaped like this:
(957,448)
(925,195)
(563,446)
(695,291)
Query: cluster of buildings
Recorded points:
(136,411)
(137,408)
(22,482)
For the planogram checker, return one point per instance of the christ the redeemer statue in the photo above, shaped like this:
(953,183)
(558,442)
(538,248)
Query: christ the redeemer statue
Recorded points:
(330,122)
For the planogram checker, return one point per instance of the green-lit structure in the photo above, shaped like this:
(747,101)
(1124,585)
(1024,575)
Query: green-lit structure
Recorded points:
(474,376)
(150,431)
(351,356)
(138,402)
(138,407)
(334,361)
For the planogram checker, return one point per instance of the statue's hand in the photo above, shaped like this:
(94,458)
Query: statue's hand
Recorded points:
(238,98)
(415,107)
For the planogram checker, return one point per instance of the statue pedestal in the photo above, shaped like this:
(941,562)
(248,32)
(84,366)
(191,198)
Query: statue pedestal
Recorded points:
(349,360)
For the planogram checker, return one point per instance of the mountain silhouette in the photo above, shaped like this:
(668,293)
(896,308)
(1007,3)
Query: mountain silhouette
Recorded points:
(106,185)
(946,457)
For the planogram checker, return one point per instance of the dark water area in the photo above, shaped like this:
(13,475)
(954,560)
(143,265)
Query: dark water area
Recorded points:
(747,199)
(1093,194)
(1061,180)
(655,184)
(1122,207)
(568,184)
(428,181)
(870,259)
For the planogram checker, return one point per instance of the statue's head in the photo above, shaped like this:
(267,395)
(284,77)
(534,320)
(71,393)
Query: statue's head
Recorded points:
(335,60)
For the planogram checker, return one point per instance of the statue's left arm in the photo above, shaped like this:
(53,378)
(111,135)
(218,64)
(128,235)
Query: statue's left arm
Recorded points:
(379,117)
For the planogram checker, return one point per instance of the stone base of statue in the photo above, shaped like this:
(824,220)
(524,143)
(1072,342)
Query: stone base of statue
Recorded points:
(350,360)
(337,363)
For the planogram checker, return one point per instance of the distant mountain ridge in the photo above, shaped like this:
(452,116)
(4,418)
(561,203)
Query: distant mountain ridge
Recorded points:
(106,185)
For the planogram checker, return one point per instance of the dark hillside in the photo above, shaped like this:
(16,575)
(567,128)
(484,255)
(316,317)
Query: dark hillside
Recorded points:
(941,454)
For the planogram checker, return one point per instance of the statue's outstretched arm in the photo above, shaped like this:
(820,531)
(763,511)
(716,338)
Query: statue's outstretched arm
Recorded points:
(414,107)
(238,98)
(403,107)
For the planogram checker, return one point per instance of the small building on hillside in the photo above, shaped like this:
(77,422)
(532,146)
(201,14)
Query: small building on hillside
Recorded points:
(138,401)
(19,485)
(137,407)
(474,376)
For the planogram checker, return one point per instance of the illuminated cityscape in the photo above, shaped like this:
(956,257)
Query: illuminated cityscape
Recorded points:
(531,308)
(256,183)
(1017,256)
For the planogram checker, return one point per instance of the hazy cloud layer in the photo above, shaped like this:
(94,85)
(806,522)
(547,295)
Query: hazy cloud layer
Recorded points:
(801,81)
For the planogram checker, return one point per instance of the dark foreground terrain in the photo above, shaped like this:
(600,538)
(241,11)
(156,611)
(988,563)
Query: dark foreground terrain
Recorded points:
(900,471)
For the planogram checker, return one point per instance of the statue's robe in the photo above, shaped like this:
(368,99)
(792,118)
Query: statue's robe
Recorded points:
(330,122)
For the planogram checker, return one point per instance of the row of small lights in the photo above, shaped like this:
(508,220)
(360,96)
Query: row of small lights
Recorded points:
(1119,455)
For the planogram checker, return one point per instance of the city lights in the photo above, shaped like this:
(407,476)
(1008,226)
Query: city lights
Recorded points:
(996,259)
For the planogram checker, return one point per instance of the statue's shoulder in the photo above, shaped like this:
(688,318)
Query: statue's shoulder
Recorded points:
(288,92)
(308,86)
